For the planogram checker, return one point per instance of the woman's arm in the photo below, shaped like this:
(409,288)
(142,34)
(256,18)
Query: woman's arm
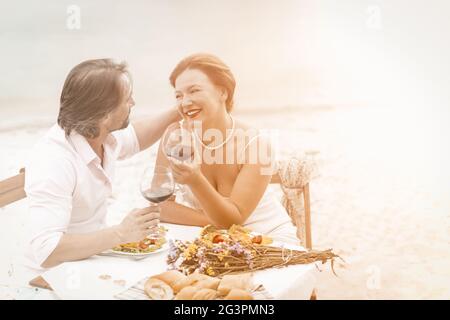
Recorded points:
(247,191)
(172,212)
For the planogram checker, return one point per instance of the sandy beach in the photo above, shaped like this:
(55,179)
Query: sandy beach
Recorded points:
(377,202)
(361,87)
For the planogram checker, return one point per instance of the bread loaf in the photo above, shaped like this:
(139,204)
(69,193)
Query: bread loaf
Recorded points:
(170,277)
(187,293)
(211,283)
(158,290)
(189,280)
(239,281)
(205,294)
(238,294)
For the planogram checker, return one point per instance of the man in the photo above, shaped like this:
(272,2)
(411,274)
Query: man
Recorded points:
(70,175)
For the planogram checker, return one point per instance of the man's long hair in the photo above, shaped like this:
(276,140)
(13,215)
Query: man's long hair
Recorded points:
(92,90)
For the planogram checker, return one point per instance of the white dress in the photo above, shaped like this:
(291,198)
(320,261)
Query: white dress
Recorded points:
(269,216)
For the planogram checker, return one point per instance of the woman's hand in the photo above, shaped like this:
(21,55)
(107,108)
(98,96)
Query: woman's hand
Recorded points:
(185,163)
(185,172)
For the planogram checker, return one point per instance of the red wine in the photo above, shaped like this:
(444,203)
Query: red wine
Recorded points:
(157,196)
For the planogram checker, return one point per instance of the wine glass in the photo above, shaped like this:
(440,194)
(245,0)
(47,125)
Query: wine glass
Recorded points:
(157,185)
(178,143)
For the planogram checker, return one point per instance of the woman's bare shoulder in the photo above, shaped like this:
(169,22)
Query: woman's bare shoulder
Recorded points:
(242,125)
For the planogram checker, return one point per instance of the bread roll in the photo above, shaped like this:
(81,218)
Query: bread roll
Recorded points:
(205,294)
(158,290)
(211,283)
(189,280)
(170,277)
(238,294)
(187,293)
(239,281)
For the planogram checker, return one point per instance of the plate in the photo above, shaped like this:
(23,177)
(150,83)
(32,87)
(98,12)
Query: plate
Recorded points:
(114,253)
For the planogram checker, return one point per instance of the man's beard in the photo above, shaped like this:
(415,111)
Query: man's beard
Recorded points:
(125,123)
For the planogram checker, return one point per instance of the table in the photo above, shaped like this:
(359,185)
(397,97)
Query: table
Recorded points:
(81,279)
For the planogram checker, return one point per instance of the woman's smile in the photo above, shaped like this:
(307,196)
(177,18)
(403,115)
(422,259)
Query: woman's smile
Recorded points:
(193,113)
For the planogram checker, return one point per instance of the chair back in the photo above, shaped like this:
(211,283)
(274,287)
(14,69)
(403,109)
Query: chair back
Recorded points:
(293,176)
(12,189)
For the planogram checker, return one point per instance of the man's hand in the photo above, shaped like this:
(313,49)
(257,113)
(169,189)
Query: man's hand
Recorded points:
(137,224)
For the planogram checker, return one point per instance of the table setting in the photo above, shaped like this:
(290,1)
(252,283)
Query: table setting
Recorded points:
(122,276)
(184,262)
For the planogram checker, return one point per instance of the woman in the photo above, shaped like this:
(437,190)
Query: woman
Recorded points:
(226,192)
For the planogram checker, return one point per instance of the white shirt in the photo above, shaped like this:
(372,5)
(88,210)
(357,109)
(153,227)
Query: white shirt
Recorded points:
(67,187)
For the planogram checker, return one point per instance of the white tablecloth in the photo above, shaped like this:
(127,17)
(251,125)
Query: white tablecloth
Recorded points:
(81,279)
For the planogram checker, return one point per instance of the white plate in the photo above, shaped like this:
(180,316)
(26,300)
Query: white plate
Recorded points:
(132,255)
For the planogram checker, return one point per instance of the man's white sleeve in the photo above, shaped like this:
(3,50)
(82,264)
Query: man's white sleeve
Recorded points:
(49,185)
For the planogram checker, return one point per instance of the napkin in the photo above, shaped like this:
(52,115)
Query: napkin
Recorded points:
(101,277)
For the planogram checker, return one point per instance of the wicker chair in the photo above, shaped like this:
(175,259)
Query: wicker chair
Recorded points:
(293,176)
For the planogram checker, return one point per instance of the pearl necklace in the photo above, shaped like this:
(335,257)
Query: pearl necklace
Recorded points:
(223,143)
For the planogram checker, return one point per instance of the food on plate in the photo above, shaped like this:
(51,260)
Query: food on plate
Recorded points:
(104,277)
(146,245)
(205,294)
(238,294)
(237,281)
(257,239)
(234,233)
(218,252)
(158,290)
(187,293)
(218,238)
